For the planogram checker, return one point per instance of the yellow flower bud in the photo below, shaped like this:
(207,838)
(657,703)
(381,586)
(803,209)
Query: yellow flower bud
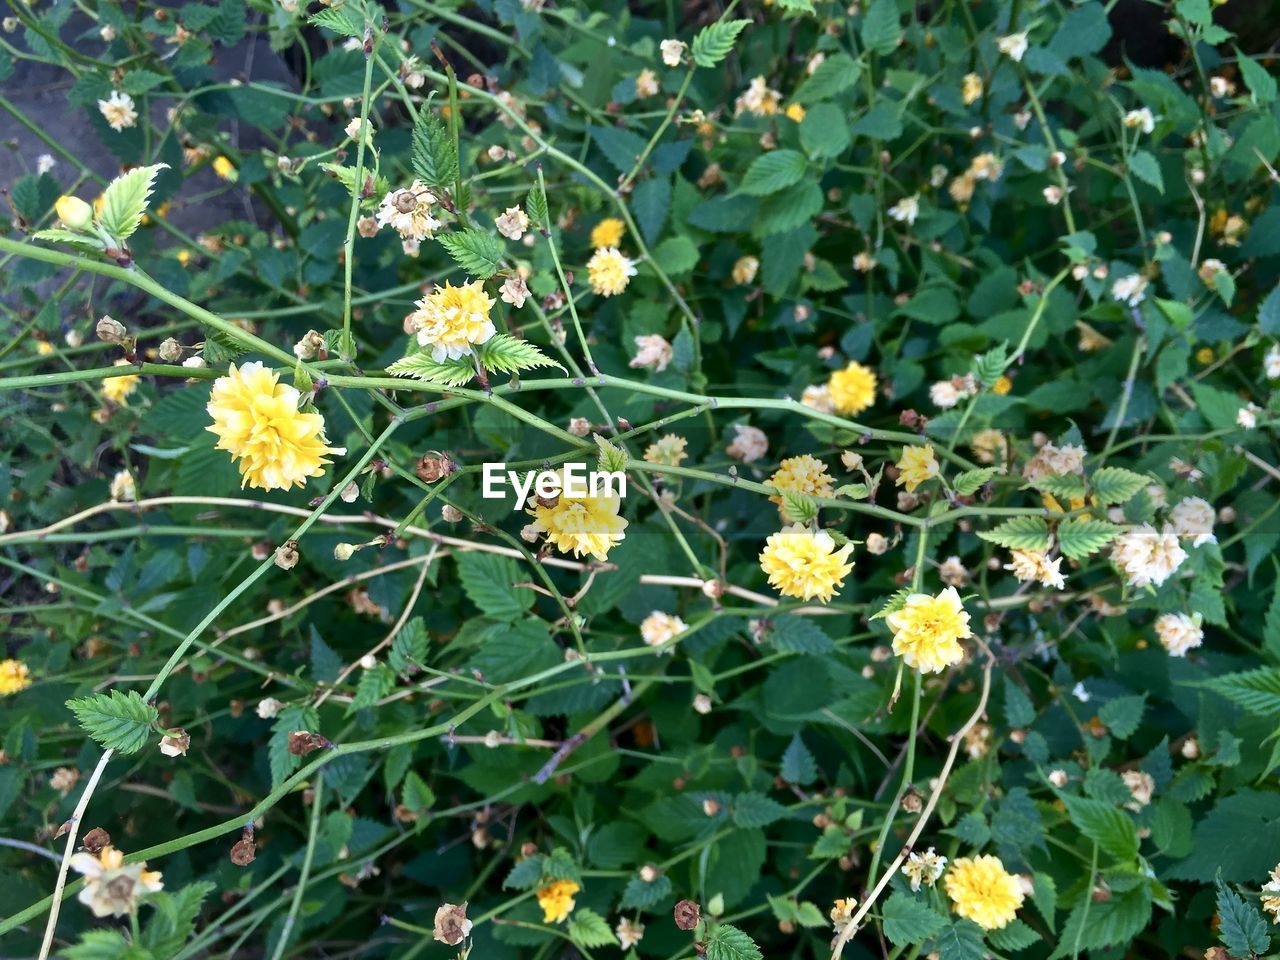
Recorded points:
(74,213)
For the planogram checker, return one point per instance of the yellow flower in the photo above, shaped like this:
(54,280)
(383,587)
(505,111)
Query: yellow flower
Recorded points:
(982,890)
(257,421)
(853,389)
(1204,355)
(117,389)
(1002,386)
(224,168)
(668,450)
(804,563)
(795,112)
(803,473)
(184,257)
(607,233)
(556,900)
(14,677)
(450,319)
(744,269)
(609,271)
(971,88)
(927,630)
(916,466)
(580,525)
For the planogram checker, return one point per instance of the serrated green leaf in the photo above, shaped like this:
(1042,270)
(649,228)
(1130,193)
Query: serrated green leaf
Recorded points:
(535,206)
(1109,828)
(1019,533)
(416,794)
(125,200)
(838,72)
(798,764)
(1258,691)
(727,942)
(487,579)
(798,507)
(971,481)
(1122,715)
(588,929)
(1081,536)
(1146,168)
(1241,926)
(342,18)
(121,721)
(771,172)
(476,251)
(1061,486)
(642,895)
(756,810)
(908,920)
(174,918)
(432,155)
(1116,485)
(450,373)
(715,42)
(503,353)
(881,31)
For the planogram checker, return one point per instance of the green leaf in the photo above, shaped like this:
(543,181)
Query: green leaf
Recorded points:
(908,920)
(1146,168)
(503,353)
(1061,486)
(137,82)
(798,765)
(971,481)
(1013,937)
(798,634)
(1269,313)
(1261,84)
(1116,485)
(409,648)
(676,256)
(837,73)
(98,945)
(1109,828)
(1081,536)
(770,172)
(125,200)
(881,32)
(374,684)
(1258,691)
(756,810)
(962,940)
(824,131)
(536,206)
(344,19)
(451,373)
(487,579)
(433,158)
(476,251)
(121,721)
(1019,711)
(1019,533)
(415,794)
(1241,926)
(174,918)
(1122,715)
(642,895)
(798,507)
(588,929)
(727,942)
(715,42)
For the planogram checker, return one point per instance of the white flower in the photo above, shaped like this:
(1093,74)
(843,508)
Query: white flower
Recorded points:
(659,628)
(408,212)
(758,99)
(1247,416)
(513,223)
(175,743)
(356,126)
(906,210)
(123,487)
(1147,557)
(629,933)
(749,443)
(1051,460)
(1032,566)
(646,83)
(268,707)
(1272,362)
(110,888)
(1053,194)
(1080,693)
(119,111)
(818,398)
(652,352)
(1179,633)
(45,163)
(944,394)
(1013,46)
(514,291)
(1058,777)
(1141,787)
(1193,517)
(924,868)
(952,572)
(1130,289)
(672,52)
(1140,120)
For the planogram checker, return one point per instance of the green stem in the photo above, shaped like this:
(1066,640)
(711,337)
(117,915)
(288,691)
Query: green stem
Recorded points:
(295,905)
